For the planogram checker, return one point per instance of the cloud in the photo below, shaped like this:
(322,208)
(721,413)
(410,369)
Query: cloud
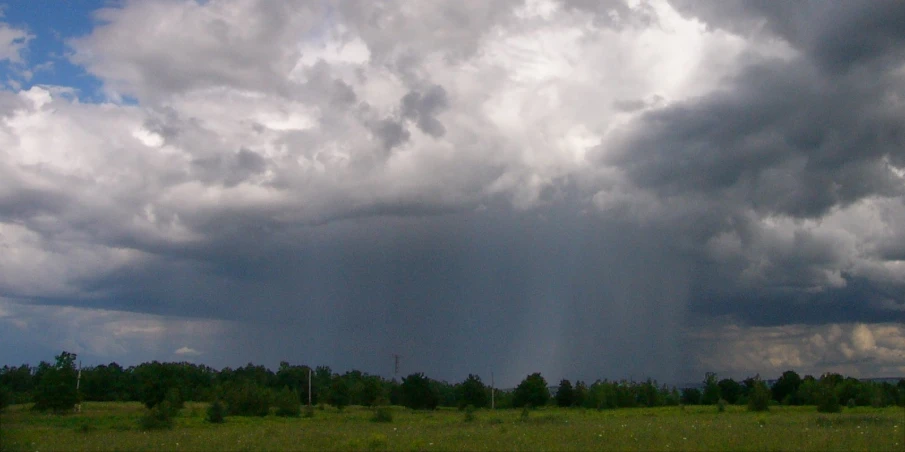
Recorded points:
(13,42)
(186,351)
(849,349)
(571,187)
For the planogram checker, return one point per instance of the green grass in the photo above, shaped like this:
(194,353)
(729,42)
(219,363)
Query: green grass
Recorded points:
(114,426)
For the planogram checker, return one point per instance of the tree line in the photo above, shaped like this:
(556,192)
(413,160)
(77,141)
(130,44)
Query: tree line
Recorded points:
(253,389)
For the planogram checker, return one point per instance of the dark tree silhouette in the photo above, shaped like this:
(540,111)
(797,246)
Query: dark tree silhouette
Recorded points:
(531,391)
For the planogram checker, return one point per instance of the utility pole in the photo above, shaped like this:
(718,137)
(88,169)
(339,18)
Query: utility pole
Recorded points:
(395,366)
(492,391)
(309,387)
(78,383)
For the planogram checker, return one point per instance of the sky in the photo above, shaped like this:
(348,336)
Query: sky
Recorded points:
(587,189)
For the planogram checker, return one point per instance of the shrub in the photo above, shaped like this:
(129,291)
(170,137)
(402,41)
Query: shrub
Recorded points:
(469,413)
(6,398)
(309,411)
(526,413)
(158,418)
(174,398)
(827,401)
(382,414)
(759,397)
(247,400)
(721,405)
(851,403)
(287,403)
(216,412)
(56,390)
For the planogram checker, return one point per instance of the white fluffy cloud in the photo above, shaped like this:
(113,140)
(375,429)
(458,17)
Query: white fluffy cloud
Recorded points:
(858,350)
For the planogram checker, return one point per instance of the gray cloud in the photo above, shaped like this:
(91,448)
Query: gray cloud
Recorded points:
(422,108)
(578,188)
(782,139)
(838,35)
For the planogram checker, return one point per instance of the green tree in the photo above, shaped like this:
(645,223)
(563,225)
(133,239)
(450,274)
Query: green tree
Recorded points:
(6,397)
(565,394)
(711,389)
(827,400)
(474,392)
(287,402)
(531,391)
(372,390)
(294,377)
(245,398)
(19,381)
(786,388)
(56,390)
(418,392)
(759,396)
(579,393)
(339,392)
(730,390)
(691,396)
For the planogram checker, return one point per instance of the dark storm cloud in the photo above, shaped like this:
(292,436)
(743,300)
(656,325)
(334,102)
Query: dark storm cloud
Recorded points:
(839,35)
(799,137)
(782,139)
(308,214)
(452,294)
(860,300)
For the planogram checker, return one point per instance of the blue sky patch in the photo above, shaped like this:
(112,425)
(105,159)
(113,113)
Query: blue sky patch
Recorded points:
(45,60)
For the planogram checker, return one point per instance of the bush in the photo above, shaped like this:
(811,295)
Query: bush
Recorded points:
(247,400)
(158,418)
(721,405)
(469,413)
(309,411)
(287,403)
(526,413)
(382,414)
(339,395)
(6,398)
(174,398)
(851,403)
(759,398)
(827,401)
(56,390)
(216,412)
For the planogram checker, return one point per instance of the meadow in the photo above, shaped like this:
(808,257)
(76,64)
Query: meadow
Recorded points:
(115,426)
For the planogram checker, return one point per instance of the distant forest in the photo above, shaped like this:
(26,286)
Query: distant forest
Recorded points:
(256,385)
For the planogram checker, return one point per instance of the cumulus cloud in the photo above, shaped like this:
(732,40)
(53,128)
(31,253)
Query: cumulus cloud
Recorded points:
(858,350)
(573,187)
(186,351)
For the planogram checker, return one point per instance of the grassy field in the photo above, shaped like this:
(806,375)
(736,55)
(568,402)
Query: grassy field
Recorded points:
(114,426)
